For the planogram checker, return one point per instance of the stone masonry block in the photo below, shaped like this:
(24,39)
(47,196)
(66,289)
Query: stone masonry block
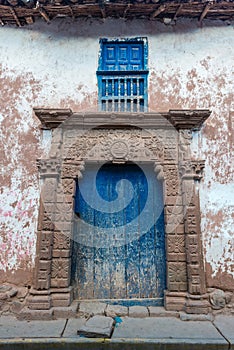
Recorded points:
(138,311)
(97,327)
(91,308)
(116,310)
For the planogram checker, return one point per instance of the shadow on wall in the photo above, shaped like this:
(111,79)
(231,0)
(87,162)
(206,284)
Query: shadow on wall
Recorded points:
(90,28)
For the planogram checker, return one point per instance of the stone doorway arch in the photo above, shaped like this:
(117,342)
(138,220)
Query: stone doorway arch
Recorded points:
(159,138)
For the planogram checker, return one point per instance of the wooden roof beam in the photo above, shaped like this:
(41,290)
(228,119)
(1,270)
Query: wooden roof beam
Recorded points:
(103,11)
(15,17)
(126,10)
(44,14)
(102,8)
(179,8)
(72,13)
(204,12)
(159,10)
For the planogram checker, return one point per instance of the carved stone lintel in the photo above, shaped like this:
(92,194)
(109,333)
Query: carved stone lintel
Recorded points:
(188,119)
(191,119)
(119,149)
(52,118)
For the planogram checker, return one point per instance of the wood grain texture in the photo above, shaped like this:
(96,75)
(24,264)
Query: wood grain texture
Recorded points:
(119,267)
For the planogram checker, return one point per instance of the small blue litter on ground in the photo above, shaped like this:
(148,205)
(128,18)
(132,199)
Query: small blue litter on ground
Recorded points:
(118,320)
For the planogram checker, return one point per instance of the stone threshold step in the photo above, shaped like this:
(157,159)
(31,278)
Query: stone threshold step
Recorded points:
(116,344)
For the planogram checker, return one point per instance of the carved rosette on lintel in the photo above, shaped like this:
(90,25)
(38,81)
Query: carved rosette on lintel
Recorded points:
(162,139)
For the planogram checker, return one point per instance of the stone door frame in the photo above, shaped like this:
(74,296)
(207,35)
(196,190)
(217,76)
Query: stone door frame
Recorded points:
(162,139)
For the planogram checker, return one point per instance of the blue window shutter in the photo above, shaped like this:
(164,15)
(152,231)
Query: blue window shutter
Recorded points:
(122,76)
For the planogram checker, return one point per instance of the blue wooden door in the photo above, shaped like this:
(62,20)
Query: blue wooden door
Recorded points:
(119,247)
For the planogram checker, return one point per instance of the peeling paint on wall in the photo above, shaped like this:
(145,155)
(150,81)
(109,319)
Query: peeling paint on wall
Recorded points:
(55,66)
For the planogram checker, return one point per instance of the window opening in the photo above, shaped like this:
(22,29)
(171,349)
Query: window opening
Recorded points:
(122,75)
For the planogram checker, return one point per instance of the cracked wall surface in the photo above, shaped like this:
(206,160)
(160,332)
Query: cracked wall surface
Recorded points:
(55,67)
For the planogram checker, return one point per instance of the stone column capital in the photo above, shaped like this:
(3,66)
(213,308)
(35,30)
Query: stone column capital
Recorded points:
(49,167)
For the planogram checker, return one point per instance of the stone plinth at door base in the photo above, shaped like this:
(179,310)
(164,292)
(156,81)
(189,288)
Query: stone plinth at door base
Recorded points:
(52,304)
(88,309)
(189,303)
(53,313)
(197,304)
(49,304)
(53,297)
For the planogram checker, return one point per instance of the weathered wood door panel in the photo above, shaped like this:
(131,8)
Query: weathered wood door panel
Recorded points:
(121,252)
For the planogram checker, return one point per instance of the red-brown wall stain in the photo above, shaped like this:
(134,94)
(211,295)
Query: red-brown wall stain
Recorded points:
(88,103)
(222,279)
(20,148)
(204,90)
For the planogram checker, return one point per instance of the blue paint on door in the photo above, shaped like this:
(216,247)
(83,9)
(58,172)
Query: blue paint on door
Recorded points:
(120,254)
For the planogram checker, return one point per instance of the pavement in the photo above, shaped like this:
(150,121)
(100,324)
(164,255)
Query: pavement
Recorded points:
(163,333)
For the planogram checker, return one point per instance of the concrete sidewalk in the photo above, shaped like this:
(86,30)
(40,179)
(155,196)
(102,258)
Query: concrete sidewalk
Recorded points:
(164,333)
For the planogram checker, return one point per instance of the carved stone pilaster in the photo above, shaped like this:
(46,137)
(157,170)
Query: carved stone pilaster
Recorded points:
(57,141)
(185,138)
(42,271)
(49,172)
(43,274)
(60,273)
(172,185)
(196,278)
(65,190)
(191,171)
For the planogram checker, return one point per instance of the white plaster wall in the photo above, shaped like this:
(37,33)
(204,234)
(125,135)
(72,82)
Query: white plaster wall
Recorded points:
(55,66)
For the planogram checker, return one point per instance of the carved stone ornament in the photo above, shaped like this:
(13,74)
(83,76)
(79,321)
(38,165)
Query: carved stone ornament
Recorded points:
(192,169)
(48,167)
(219,299)
(144,138)
(119,149)
(134,144)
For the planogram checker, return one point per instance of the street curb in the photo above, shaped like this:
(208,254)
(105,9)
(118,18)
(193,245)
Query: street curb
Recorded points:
(113,344)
